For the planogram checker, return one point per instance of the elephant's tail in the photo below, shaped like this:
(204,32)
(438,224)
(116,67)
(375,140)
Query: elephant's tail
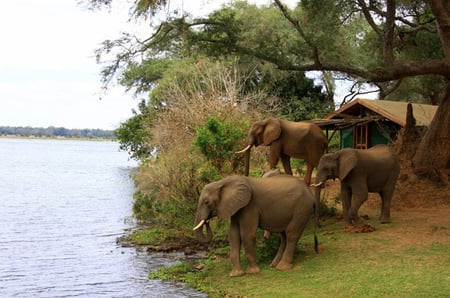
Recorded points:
(316,242)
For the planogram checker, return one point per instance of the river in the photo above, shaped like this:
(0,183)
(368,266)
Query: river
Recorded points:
(63,205)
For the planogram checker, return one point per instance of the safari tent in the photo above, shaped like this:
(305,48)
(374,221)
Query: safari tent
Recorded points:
(364,123)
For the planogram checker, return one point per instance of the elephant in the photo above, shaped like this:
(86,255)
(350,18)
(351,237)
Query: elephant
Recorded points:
(361,171)
(279,204)
(287,139)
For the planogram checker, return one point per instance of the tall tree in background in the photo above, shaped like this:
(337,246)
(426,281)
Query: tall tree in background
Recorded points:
(381,42)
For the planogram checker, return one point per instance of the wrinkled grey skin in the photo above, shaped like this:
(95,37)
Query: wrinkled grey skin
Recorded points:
(287,139)
(279,204)
(360,172)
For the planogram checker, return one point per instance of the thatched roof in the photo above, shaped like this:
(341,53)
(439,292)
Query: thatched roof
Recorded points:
(394,111)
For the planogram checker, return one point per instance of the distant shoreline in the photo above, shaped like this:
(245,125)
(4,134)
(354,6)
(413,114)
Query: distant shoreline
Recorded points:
(53,132)
(59,138)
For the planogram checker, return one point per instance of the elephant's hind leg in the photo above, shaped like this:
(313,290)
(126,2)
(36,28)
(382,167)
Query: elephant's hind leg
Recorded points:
(280,251)
(288,253)
(386,197)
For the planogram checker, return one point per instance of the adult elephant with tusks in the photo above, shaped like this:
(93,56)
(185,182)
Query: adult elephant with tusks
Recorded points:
(304,140)
(361,171)
(279,204)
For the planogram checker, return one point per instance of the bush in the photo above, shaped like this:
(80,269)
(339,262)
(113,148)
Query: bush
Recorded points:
(217,141)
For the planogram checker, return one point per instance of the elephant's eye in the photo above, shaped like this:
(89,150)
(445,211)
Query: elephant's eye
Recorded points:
(206,202)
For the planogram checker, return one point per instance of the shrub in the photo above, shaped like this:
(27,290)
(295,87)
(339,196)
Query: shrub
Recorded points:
(199,124)
(217,141)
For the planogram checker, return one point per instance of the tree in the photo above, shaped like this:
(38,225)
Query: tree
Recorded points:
(132,134)
(380,42)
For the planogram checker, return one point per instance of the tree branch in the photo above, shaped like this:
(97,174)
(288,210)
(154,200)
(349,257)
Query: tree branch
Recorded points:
(366,11)
(388,36)
(299,29)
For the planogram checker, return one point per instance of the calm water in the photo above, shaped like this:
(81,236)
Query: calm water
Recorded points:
(63,205)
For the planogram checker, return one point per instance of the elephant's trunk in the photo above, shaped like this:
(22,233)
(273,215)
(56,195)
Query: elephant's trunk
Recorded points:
(198,231)
(247,162)
(317,191)
(251,141)
(318,185)
(246,150)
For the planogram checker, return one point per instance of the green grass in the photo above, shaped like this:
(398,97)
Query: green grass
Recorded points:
(148,236)
(349,265)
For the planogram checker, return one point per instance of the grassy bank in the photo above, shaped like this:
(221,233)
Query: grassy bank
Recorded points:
(407,258)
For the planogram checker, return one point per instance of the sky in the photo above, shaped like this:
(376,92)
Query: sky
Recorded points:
(48,72)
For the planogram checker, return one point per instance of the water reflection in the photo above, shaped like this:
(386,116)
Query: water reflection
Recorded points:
(64,204)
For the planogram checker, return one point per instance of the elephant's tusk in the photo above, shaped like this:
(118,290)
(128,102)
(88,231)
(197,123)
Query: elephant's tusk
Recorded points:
(317,184)
(243,150)
(201,223)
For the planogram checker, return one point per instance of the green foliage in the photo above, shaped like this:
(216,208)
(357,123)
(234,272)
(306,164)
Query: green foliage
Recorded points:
(334,141)
(148,236)
(266,249)
(145,75)
(133,136)
(169,191)
(297,97)
(173,272)
(144,207)
(195,126)
(217,141)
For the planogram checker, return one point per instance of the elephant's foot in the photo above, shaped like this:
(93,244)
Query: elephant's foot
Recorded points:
(356,221)
(385,220)
(283,266)
(236,273)
(252,270)
(274,263)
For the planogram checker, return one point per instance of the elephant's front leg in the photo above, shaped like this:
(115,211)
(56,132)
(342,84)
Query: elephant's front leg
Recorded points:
(346,196)
(248,234)
(286,160)
(359,197)
(274,155)
(235,249)
(309,170)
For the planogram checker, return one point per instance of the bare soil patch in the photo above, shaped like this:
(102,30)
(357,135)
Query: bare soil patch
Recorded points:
(420,211)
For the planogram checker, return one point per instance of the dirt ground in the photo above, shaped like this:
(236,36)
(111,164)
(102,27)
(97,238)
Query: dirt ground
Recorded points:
(420,210)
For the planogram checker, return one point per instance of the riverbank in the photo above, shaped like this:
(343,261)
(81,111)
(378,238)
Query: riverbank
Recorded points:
(408,257)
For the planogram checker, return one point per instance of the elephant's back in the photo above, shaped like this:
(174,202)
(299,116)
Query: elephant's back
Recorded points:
(289,187)
(306,141)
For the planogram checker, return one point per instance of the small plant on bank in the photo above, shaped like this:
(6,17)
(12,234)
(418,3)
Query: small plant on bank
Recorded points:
(217,140)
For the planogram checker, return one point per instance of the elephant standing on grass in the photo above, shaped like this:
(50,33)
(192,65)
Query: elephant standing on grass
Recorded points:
(361,171)
(287,139)
(281,204)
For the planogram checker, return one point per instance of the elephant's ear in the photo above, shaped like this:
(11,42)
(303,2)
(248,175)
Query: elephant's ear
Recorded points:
(347,161)
(235,193)
(272,131)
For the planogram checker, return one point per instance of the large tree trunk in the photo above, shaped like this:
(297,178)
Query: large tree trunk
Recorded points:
(433,155)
